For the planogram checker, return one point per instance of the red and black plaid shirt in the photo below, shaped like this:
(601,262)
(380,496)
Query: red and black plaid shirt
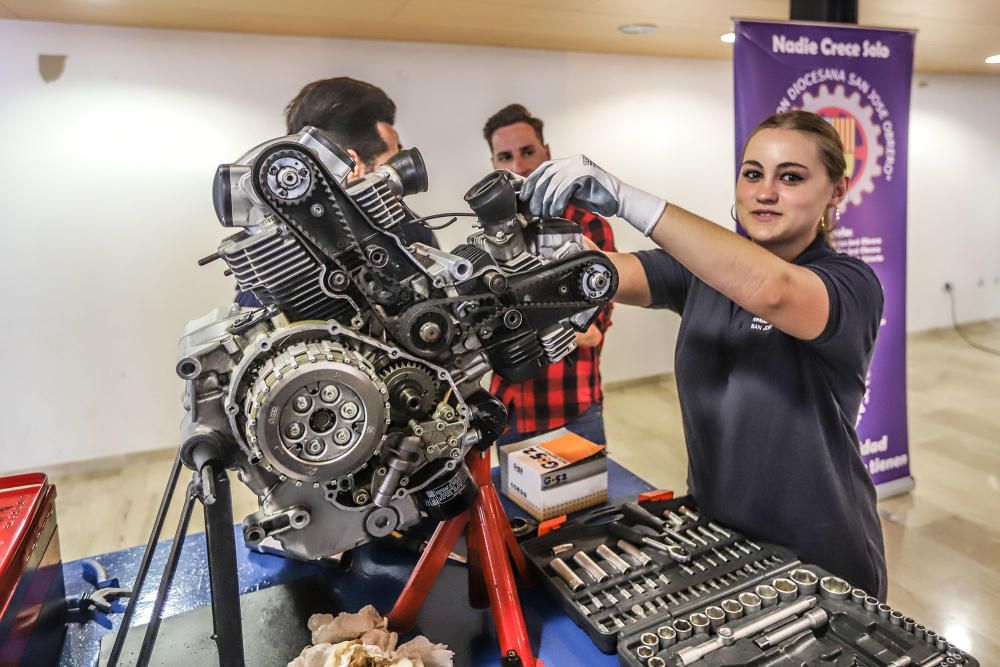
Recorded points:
(564,389)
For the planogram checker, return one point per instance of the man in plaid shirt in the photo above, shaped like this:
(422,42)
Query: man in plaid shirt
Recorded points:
(567,393)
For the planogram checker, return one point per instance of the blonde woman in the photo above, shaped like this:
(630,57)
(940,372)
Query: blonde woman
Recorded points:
(776,335)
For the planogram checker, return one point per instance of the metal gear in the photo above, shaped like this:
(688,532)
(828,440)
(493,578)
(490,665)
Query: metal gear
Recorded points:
(413,390)
(864,181)
(287,178)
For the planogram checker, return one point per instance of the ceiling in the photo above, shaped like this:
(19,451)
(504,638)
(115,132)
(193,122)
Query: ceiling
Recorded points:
(954,36)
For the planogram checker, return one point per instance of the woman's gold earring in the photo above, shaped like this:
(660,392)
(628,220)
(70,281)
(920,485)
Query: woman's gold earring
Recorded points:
(836,214)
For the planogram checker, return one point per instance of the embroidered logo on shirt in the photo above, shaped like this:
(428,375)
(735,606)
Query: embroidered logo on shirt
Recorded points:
(760,324)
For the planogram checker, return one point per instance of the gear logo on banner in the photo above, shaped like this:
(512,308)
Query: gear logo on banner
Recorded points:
(858,130)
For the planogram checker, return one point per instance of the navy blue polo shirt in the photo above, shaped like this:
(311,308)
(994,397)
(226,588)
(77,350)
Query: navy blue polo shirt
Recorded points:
(769,419)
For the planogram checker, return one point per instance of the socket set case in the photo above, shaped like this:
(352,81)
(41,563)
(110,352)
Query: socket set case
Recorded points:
(616,573)
(803,616)
(654,586)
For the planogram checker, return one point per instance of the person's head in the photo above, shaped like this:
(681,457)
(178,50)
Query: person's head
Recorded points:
(358,115)
(515,140)
(792,177)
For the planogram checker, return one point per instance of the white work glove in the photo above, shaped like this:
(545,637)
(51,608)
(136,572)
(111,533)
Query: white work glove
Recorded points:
(578,181)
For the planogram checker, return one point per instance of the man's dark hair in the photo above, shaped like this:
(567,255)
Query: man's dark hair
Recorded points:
(348,110)
(510,114)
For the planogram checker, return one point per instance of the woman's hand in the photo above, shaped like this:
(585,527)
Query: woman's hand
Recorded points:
(577,180)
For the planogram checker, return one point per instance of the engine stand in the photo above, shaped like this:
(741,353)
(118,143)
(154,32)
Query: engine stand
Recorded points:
(491,546)
(210,486)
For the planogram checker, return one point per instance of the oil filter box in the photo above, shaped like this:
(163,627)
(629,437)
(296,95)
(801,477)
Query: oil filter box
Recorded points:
(554,473)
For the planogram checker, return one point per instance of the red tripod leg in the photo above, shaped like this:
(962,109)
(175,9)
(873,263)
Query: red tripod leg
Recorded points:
(489,524)
(520,562)
(478,597)
(404,614)
(511,631)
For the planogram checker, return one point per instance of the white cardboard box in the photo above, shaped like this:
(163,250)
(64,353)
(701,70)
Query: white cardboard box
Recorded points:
(554,473)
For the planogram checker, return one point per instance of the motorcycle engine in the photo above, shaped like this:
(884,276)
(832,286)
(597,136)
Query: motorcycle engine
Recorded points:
(349,400)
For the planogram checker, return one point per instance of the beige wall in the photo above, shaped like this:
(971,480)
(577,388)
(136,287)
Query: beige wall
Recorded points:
(107,184)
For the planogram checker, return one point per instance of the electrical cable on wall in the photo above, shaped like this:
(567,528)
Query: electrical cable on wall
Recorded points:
(958,330)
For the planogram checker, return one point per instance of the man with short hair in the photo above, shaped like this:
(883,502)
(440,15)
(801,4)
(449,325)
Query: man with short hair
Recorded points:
(359,117)
(568,393)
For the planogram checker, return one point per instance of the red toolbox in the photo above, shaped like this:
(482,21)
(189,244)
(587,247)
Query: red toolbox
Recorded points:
(32,592)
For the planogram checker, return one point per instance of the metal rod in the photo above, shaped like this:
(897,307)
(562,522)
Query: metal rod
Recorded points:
(147,559)
(168,576)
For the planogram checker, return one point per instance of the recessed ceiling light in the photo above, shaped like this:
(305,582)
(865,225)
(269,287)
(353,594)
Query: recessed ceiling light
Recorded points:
(637,28)
(728,38)
(993,60)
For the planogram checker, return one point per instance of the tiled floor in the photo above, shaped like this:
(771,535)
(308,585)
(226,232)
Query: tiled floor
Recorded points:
(943,539)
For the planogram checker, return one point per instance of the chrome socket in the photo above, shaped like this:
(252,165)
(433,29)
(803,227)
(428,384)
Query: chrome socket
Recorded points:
(919,631)
(656,661)
(595,571)
(787,589)
(930,637)
(644,653)
(896,617)
(716,616)
(667,635)
(565,572)
(908,624)
(858,596)
(870,604)
(942,643)
(649,639)
(683,629)
(768,595)
(613,559)
(751,603)
(700,623)
(834,588)
(884,610)
(806,579)
(733,609)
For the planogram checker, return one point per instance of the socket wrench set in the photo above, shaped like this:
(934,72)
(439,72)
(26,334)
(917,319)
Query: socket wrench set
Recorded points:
(803,616)
(637,565)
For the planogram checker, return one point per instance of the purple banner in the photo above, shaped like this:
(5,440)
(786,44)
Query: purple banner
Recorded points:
(859,80)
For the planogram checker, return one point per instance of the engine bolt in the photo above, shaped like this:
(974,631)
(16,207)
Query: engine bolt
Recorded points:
(342,436)
(317,210)
(329,393)
(314,447)
(302,403)
(430,332)
(349,410)
(294,430)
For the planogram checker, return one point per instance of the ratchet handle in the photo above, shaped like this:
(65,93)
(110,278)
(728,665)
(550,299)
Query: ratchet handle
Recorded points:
(640,516)
(625,533)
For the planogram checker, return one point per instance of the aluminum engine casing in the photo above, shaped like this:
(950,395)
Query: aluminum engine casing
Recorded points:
(350,399)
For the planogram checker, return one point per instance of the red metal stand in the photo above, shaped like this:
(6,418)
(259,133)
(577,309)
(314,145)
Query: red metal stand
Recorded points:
(491,546)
